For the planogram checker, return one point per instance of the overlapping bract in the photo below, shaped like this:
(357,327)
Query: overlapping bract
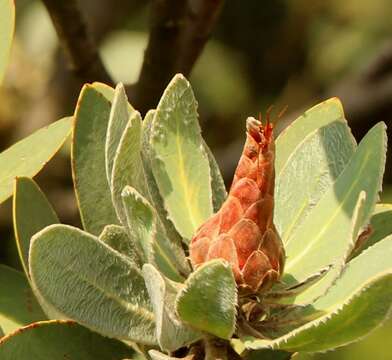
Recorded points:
(242,231)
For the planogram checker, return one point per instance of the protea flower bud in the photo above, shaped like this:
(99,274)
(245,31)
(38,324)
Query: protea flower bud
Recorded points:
(242,231)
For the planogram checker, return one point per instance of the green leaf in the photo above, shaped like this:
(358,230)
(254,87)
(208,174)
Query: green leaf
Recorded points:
(381,224)
(128,167)
(219,193)
(309,172)
(359,302)
(118,121)
(318,116)
(117,238)
(209,298)
(7,25)
(180,163)
(87,281)
(322,238)
(141,222)
(28,156)
(18,306)
(88,161)
(165,226)
(321,286)
(171,333)
(31,213)
(61,340)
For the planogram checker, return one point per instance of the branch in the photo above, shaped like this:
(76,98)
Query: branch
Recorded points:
(160,58)
(74,38)
(202,16)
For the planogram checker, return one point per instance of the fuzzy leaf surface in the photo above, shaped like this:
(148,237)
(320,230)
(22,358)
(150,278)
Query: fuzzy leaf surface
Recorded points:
(322,238)
(61,340)
(309,172)
(118,120)
(180,163)
(165,227)
(31,213)
(18,306)
(208,300)
(88,161)
(172,334)
(7,25)
(117,238)
(359,302)
(27,157)
(77,274)
(318,116)
(128,167)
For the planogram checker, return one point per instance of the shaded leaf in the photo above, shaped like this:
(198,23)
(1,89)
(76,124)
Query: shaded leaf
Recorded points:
(180,163)
(105,281)
(60,340)
(118,120)
(318,116)
(31,213)
(171,332)
(327,229)
(117,238)
(88,161)
(208,300)
(309,172)
(27,157)
(18,306)
(359,302)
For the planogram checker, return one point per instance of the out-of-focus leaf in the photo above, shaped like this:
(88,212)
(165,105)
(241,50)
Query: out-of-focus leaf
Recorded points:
(18,306)
(179,161)
(88,161)
(208,300)
(359,302)
(309,172)
(31,213)
(60,340)
(322,238)
(104,292)
(28,156)
(171,332)
(7,24)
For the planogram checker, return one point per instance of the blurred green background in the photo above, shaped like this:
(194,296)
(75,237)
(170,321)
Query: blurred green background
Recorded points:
(262,53)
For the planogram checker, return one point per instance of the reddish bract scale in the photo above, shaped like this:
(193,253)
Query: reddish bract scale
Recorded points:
(242,231)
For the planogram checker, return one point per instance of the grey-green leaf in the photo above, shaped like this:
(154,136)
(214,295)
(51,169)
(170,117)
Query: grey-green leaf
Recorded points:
(141,223)
(322,238)
(18,306)
(309,172)
(128,167)
(31,213)
(208,300)
(7,25)
(117,238)
(27,157)
(88,161)
(358,302)
(318,116)
(87,281)
(118,120)
(179,162)
(61,340)
(171,333)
